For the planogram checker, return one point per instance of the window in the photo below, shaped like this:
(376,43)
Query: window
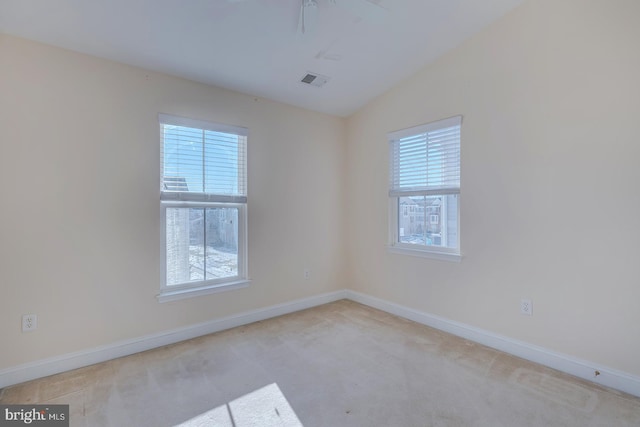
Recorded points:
(203,200)
(424,163)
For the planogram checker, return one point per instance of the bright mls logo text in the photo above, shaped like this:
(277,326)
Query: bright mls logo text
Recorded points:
(44,415)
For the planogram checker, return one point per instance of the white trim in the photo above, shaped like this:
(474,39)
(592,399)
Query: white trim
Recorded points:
(423,253)
(168,295)
(203,287)
(79,359)
(437,192)
(424,128)
(168,119)
(571,365)
(580,368)
(186,198)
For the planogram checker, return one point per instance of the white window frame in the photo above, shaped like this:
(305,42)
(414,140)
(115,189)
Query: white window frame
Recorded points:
(426,251)
(199,200)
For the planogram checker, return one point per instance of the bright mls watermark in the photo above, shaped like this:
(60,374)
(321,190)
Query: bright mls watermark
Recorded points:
(34,415)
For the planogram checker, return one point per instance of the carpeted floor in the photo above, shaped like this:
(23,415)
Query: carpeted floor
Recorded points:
(341,364)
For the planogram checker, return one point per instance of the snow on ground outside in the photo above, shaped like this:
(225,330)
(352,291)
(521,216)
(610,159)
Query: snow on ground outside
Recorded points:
(219,263)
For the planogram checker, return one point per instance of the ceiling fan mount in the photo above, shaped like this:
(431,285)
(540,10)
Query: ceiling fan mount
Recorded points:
(308,11)
(362,9)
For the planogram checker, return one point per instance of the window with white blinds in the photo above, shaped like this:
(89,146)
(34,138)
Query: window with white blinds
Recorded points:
(426,159)
(424,176)
(202,161)
(203,199)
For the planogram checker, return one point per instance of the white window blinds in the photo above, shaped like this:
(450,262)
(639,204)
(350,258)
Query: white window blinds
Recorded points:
(202,161)
(425,160)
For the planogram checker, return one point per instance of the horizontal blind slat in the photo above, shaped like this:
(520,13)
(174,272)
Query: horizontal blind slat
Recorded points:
(427,161)
(207,163)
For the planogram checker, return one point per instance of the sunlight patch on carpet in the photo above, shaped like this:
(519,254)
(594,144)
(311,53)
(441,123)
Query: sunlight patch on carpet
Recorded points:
(265,407)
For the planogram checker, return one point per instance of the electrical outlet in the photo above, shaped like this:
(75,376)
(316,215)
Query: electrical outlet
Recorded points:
(307,274)
(526,307)
(29,322)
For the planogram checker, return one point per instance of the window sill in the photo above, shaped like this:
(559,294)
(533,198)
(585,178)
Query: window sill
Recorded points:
(178,294)
(440,256)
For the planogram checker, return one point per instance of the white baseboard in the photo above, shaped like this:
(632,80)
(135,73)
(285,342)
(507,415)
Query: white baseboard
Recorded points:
(580,368)
(66,362)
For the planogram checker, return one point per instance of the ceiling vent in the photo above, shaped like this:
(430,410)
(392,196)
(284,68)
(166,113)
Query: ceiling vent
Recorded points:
(315,79)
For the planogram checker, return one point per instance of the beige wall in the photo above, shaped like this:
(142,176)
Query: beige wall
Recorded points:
(79,222)
(550,206)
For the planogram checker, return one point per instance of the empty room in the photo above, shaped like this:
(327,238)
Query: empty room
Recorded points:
(320,213)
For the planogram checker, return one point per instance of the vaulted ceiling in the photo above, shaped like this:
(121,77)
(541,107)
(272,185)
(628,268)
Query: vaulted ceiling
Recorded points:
(258,47)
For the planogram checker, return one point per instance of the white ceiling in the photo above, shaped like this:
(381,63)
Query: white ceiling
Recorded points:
(256,47)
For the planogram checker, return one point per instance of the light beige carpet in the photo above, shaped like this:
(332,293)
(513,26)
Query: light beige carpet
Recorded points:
(341,364)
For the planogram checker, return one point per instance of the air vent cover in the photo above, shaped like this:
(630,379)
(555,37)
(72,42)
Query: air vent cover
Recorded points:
(315,79)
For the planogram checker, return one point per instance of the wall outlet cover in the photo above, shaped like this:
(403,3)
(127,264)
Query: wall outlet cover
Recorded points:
(526,307)
(29,322)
